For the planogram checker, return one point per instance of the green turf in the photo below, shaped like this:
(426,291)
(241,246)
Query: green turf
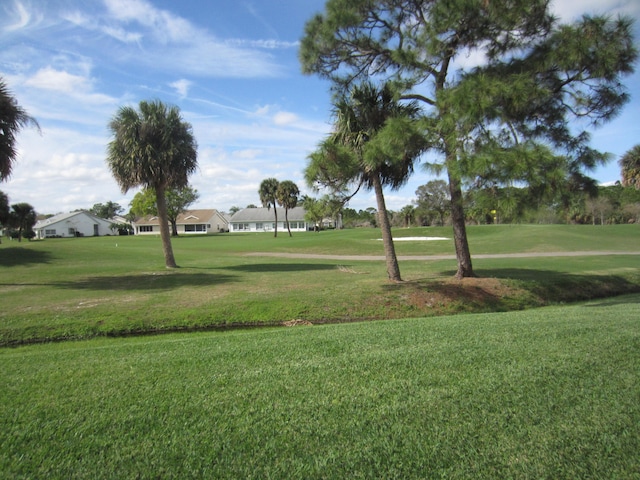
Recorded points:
(544,393)
(84,287)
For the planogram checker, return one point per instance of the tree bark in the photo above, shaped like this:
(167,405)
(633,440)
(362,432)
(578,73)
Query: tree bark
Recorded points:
(463,255)
(393,270)
(275,214)
(286,220)
(165,235)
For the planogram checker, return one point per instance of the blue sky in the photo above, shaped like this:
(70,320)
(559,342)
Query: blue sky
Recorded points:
(232,69)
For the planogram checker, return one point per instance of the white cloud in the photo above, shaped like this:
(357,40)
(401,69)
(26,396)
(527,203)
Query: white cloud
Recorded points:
(266,44)
(248,153)
(50,79)
(181,86)
(263,111)
(570,10)
(285,118)
(172,43)
(122,35)
(19,16)
(129,10)
(165,26)
(64,83)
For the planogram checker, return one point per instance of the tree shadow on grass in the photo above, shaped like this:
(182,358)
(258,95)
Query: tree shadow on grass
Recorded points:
(506,290)
(150,282)
(15,256)
(279,267)
(555,286)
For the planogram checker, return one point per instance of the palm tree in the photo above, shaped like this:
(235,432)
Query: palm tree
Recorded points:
(268,196)
(287,197)
(630,164)
(4,211)
(153,148)
(12,119)
(374,143)
(22,218)
(408,213)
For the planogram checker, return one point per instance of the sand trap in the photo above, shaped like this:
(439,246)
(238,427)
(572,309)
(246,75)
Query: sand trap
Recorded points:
(417,239)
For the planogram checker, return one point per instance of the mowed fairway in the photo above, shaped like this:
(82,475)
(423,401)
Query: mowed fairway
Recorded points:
(549,392)
(85,287)
(545,393)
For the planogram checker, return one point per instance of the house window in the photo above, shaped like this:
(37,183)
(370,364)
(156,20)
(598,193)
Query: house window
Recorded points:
(49,232)
(195,228)
(241,226)
(72,231)
(145,228)
(259,226)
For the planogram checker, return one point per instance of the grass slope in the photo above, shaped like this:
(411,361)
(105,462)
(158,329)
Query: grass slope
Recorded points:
(545,393)
(80,288)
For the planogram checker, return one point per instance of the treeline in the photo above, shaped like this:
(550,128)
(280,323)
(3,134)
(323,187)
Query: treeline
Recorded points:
(614,204)
(610,205)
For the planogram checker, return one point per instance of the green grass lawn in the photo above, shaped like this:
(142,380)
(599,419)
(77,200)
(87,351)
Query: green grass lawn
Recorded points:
(545,393)
(84,287)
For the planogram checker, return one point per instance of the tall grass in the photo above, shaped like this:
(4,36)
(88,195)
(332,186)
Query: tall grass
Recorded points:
(546,393)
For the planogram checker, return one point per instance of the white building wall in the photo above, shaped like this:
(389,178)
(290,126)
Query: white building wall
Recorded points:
(266,227)
(80,224)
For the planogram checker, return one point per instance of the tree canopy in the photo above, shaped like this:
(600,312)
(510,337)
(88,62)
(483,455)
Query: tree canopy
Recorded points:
(374,143)
(12,119)
(287,197)
(630,165)
(268,192)
(507,118)
(432,200)
(106,210)
(22,218)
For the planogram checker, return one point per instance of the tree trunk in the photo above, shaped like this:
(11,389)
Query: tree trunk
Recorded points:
(275,213)
(174,228)
(463,255)
(161,203)
(286,219)
(393,270)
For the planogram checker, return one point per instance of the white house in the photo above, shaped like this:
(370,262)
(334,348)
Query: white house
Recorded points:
(191,221)
(262,220)
(74,224)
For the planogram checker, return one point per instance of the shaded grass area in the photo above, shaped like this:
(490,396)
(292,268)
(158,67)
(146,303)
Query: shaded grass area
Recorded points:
(546,393)
(112,286)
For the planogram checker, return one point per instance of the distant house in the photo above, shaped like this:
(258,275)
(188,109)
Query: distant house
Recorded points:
(191,221)
(122,225)
(74,224)
(262,220)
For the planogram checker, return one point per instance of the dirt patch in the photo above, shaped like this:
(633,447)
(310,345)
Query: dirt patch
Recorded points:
(454,296)
(296,323)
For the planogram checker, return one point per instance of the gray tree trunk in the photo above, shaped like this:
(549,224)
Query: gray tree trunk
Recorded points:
(393,270)
(463,254)
(165,235)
